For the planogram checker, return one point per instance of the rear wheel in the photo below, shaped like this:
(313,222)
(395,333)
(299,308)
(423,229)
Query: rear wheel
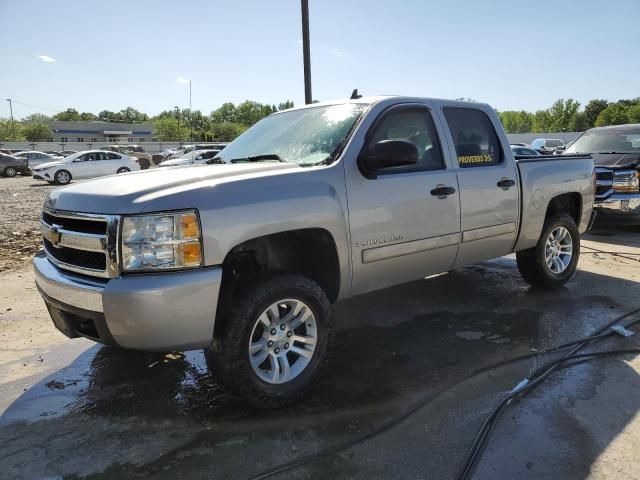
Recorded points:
(553,261)
(274,341)
(62,177)
(10,172)
(123,170)
(144,163)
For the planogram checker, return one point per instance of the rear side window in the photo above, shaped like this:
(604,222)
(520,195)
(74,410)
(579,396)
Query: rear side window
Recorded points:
(413,124)
(474,137)
(113,156)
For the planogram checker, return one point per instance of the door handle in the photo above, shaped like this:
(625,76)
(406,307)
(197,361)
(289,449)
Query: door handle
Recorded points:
(442,191)
(506,183)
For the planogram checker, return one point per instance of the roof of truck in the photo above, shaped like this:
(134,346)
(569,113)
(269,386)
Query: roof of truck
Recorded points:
(377,98)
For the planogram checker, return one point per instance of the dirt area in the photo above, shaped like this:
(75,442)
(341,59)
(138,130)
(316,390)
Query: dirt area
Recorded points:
(20,209)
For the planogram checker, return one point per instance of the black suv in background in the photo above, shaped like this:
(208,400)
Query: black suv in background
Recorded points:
(616,154)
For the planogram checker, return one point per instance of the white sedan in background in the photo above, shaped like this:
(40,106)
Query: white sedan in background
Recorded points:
(87,164)
(193,157)
(35,158)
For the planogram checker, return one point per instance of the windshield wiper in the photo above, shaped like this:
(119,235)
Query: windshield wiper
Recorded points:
(259,158)
(618,153)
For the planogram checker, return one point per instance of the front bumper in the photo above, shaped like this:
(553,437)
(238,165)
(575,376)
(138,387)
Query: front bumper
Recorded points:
(164,311)
(620,208)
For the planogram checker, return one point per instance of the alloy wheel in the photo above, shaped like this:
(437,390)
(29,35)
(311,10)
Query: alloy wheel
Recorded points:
(559,250)
(283,341)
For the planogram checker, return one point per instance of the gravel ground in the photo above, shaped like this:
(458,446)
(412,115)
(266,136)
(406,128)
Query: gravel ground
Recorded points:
(22,199)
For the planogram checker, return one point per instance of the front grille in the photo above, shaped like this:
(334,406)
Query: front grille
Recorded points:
(76,224)
(604,182)
(82,243)
(75,257)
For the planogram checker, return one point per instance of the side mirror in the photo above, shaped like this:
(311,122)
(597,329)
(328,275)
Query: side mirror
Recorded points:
(387,154)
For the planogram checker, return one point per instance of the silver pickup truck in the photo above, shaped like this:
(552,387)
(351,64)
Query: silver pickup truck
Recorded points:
(311,206)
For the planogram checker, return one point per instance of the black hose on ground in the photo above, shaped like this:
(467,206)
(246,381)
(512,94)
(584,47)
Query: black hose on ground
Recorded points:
(482,436)
(480,441)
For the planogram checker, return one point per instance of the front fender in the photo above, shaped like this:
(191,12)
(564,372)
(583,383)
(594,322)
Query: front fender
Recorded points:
(245,210)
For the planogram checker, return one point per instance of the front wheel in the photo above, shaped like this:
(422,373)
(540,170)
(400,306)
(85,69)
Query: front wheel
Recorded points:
(274,340)
(10,172)
(62,177)
(553,261)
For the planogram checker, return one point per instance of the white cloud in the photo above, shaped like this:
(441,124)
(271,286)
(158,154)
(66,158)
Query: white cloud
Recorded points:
(46,58)
(337,52)
(182,80)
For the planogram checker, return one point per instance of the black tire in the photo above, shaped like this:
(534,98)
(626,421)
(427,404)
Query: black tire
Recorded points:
(228,356)
(532,262)
(144,163)
(123,170)
(60,179)
(10,172)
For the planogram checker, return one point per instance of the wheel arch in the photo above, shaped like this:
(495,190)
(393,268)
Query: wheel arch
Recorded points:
(569,203)
(312,252)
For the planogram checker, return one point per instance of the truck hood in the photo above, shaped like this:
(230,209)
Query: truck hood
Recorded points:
(156,189)
(616,159)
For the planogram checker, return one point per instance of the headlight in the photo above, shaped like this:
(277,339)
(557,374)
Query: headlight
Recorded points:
(161,241)
(626,181)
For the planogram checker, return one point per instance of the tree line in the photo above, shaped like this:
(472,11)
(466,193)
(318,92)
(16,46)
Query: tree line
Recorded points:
(567,116)
(230,120)
(223,124)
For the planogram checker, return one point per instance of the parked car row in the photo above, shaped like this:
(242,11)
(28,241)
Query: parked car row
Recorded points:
(194,157)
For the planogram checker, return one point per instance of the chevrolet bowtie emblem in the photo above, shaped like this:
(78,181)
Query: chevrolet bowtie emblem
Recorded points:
(52,234)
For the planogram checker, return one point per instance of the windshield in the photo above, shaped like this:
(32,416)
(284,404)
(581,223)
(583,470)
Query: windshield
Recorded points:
(307,136)
(605,141)
(554,143)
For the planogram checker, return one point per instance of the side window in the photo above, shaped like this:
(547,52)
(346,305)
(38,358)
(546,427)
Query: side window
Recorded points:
(414,125)
(82,158)
(113,156)
(475,139)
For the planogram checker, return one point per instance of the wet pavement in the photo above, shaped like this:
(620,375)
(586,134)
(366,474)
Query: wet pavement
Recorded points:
(73,409)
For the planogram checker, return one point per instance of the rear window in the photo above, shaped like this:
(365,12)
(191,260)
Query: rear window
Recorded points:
(476,141)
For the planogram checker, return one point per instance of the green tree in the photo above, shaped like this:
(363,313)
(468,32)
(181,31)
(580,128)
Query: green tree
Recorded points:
(168,130)
(107,116)
(516,122)
(633,114)
(563,114)
(37,132)
(614,114)
(131,115)
(592,110)
(37,118)
(226,131)
(285,105)
(541,121)
(70,115)
(88,117)
(225,113)
(10,131)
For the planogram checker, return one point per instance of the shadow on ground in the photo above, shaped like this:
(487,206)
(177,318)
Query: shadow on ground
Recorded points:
(116,414)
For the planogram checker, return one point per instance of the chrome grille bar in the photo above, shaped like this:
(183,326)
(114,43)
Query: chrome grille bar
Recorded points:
(70,249)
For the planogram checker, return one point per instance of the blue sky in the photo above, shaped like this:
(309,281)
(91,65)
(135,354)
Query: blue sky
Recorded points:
(511,54)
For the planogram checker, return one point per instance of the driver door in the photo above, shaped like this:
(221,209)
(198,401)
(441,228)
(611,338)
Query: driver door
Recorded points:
(401,228)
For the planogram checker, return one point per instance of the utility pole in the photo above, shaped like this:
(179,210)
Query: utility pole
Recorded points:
(190,113)
(13,126)
(178,115)
(306,51)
